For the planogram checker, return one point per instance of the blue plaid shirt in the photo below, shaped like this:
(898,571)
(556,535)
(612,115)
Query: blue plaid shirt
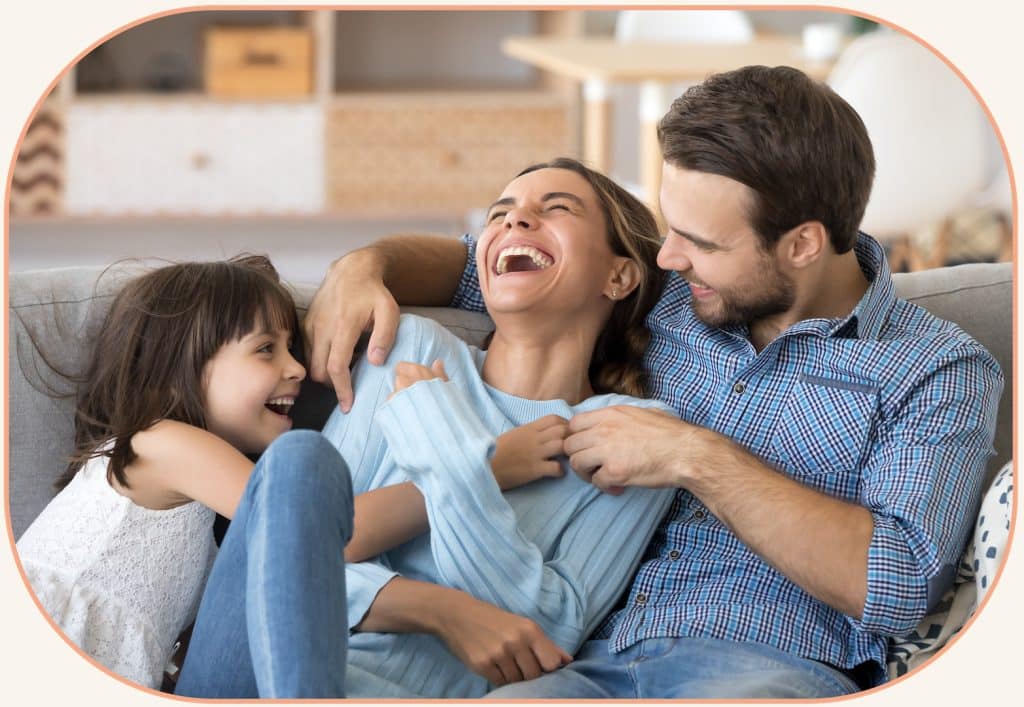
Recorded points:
(889,407)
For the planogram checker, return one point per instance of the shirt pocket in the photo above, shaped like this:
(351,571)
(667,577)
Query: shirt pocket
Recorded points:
(825,423)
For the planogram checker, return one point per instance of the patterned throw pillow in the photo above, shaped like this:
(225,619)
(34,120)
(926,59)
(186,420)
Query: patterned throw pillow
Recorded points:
(975,575)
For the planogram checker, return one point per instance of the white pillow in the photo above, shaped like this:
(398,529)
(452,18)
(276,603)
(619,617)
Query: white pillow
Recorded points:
(975,575)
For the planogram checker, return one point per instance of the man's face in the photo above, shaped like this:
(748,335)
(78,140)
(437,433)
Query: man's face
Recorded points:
(712,246)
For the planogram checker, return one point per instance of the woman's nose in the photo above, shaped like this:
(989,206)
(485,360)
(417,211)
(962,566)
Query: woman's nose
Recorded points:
(520,218)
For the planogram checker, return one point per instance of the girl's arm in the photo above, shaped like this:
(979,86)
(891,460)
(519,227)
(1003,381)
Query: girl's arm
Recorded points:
(384,519)
(178,463)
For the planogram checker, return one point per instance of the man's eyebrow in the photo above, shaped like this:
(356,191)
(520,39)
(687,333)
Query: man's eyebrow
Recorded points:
(696,240)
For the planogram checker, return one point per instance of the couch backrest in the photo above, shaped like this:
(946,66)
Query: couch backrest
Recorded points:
(64,307)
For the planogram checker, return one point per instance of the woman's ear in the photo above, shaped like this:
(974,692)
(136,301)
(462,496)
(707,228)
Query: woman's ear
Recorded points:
(624,278)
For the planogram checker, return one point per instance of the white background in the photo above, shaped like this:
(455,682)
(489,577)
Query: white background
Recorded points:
(39,39)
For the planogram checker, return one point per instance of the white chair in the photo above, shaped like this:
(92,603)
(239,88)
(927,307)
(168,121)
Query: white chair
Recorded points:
(928,133)
(636,108)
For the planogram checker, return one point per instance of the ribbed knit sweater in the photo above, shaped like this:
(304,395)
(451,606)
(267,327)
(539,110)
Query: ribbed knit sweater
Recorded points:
(557,550)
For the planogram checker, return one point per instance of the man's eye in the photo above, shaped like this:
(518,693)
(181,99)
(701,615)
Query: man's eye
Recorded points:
(495,215)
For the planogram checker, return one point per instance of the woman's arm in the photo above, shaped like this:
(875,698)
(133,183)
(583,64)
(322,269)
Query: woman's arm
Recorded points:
(478,546)
(500,646)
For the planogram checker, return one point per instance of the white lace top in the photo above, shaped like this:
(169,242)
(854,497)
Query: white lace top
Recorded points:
(121,581)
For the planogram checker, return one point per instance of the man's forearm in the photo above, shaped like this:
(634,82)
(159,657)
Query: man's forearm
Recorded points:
(817,541)
(418,269)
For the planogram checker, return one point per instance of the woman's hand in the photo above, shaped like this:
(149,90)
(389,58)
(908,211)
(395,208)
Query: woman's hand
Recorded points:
(500,646)
(407,373)
(527,453)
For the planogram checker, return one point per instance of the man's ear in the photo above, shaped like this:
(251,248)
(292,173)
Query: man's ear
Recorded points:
(623,279)
(804,245)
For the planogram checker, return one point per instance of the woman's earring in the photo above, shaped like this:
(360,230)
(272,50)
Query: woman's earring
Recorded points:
(615,293)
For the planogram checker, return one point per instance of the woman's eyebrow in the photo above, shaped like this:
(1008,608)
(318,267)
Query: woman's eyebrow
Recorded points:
(563,195)
(507,201)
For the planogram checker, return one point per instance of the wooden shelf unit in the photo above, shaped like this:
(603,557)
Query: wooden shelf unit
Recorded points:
(440,143)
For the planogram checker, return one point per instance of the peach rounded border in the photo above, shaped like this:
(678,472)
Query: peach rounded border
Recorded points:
(4,416)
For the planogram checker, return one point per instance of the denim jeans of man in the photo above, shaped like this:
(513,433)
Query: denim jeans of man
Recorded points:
(679,668)
(273,619)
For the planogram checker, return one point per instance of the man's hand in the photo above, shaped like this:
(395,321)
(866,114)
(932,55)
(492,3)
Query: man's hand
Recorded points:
(407,373)
(623,446)
(352,299)
(501,646)
(526,453)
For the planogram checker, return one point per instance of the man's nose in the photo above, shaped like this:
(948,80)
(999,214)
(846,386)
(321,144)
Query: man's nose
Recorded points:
(671,256)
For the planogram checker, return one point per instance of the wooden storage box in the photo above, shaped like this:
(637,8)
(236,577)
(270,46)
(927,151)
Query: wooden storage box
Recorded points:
(258,62)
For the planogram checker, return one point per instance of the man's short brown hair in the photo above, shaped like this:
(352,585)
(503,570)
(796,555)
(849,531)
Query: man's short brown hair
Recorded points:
(801,149)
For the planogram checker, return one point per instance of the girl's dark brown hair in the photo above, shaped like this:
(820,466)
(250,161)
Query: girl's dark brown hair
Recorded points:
(149,355)
(617,363)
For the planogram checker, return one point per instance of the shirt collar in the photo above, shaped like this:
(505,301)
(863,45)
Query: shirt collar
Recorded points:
(871,312)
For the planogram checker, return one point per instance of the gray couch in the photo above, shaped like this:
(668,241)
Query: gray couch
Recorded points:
(62,308)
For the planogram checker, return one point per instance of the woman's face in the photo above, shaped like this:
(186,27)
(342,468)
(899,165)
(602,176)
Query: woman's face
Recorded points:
(544,246)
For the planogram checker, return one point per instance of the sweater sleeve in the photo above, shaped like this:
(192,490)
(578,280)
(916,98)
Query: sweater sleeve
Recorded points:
(477,544)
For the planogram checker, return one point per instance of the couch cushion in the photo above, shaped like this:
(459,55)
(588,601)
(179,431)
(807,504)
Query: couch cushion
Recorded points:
(64,307)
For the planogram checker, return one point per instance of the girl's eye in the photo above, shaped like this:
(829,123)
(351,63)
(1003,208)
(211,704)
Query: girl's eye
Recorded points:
(266,348)
(563,207)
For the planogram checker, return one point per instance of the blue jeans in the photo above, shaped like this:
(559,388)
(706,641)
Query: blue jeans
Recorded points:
(273,620)
(677,668)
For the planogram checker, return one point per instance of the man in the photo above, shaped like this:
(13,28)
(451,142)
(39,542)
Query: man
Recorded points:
(833,438)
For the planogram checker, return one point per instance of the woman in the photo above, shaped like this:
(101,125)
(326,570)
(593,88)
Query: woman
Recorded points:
(567,269)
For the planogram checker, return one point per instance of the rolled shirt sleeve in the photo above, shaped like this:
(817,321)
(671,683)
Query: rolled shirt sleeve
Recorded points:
(923,483)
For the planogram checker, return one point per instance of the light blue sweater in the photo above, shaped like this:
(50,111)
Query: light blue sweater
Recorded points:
(557,550)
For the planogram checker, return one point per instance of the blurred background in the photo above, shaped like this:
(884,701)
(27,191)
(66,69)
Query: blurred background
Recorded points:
(307,133)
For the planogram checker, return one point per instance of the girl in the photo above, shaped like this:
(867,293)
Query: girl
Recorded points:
(568,273)
(190,356)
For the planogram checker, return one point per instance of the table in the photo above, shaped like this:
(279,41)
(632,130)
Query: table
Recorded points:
(597,62)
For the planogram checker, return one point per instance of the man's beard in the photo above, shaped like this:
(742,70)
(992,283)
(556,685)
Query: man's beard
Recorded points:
(772,293)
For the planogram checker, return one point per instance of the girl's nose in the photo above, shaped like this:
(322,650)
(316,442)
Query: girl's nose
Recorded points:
(294,370)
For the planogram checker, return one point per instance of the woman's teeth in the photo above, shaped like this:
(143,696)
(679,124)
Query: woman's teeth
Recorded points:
(526,257)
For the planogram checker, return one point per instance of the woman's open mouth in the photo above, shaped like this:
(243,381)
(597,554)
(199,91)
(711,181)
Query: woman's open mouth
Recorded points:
(522,258)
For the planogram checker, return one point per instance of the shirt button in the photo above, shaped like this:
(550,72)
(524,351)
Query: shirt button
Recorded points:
(739,387)
(698,514)
(641,599)
(673,555)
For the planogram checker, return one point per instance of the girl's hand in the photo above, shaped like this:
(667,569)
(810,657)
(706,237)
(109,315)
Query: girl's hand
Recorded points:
(527,453)
(407,373)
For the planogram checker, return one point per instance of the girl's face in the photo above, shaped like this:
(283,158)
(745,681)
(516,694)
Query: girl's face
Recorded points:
(545,244)
(250,386)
